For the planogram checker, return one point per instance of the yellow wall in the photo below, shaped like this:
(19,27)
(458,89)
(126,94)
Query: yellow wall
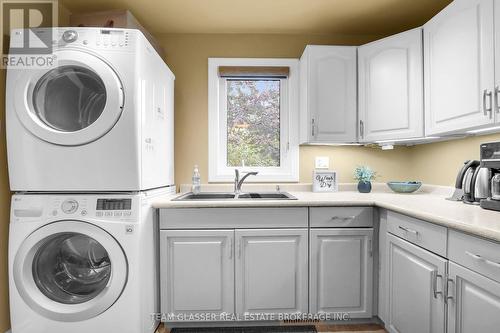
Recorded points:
(438,163)
(4,214)
(187,55)
(389,164)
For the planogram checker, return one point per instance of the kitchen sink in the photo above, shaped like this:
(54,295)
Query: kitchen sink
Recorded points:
(231,196)
(268,196)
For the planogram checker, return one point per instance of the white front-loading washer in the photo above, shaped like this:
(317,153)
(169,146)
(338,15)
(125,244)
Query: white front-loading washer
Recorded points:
(84,263)
(100,119)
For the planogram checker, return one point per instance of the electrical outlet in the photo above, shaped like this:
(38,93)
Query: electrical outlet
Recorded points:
(322,162)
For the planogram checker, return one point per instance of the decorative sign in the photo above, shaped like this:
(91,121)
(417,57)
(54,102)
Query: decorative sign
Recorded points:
(325,181)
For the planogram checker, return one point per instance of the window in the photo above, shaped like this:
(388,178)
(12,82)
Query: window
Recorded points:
(253,118)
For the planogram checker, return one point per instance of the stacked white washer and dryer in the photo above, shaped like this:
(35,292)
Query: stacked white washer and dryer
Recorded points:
(90,145)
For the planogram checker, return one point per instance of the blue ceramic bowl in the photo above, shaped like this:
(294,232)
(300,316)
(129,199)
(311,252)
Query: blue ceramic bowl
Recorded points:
(404,187)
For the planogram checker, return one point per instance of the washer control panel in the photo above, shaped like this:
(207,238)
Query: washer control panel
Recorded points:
(114,207)
(69,206)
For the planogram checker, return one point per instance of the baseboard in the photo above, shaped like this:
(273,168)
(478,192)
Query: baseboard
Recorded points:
(8,331)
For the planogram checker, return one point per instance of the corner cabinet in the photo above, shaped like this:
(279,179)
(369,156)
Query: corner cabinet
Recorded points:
(459,67)
(390,78)
(415,288)
(328,105)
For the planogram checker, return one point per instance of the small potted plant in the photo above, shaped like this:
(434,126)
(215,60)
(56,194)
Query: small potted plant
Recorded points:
(364,175)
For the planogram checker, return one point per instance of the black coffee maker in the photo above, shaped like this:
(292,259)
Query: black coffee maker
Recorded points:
(490,158)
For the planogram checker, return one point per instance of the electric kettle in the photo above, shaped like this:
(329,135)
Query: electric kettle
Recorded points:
(464,179)
(479,186)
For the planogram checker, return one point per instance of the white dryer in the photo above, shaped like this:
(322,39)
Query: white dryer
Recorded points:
(100,120)
(83,263)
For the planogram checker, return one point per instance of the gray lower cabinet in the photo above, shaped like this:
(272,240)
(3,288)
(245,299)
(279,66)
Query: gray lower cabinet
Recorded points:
(224,261)
(341,273)
(474,302)
(271,270)
(415,288)
(197,271)
(234,271)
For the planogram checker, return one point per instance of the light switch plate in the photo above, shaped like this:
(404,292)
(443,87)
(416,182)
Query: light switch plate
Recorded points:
(322,162)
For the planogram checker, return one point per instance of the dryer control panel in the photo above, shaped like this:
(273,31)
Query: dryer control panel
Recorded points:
(95,38)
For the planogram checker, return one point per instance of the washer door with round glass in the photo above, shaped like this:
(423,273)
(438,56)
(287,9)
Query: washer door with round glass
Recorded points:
(75,103)
(70,271)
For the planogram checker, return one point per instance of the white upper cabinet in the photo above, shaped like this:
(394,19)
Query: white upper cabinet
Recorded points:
(328,94)
(390,78)
(459,67)
(497,62)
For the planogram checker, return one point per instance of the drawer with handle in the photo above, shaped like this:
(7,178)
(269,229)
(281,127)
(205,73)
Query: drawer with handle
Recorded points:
(341,217)
(424,234)
(475,253)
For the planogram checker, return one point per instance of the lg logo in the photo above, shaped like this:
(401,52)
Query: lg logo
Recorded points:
(28,15)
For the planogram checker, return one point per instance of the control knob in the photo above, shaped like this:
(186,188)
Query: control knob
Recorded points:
(69,36)
(69,206)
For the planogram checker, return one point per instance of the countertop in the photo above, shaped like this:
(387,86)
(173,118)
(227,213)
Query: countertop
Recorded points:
(428,204)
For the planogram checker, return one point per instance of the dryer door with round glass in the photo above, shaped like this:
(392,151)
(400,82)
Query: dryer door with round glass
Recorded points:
(74,103)
(70,271)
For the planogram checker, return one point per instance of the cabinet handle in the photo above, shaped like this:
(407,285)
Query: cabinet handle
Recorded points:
(370,247)
(231,249)
(435,277)
(343,219)
(313,132)
(481,258)
(239,249)
(497,106)
(361,128)
(448,296)
(408,230)
(487,94)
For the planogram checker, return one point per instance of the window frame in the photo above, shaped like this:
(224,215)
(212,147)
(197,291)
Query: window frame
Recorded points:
(288,171)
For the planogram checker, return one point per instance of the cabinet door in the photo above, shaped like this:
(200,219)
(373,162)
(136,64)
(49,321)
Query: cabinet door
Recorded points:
(415,289)
(341,271)
(459,67)
(197,271)
(497,61)
(391,96)
(328,94)
(271,271)
(474,305)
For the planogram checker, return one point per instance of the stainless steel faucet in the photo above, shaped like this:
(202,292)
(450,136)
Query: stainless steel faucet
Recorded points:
(239,182)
